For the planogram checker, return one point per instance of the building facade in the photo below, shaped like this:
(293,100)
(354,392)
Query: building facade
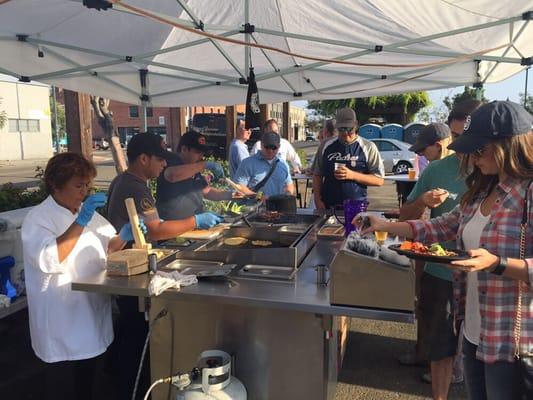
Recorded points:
(27,134)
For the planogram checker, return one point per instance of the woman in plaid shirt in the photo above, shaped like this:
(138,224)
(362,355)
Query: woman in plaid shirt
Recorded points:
(498,144)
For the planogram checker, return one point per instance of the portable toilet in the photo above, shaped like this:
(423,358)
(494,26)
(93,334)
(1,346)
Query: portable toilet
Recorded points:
(392,131)
(370,131)
(411,131)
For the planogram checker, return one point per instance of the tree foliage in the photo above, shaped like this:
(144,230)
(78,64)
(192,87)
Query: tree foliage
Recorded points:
(3,116)
(467,94)
(61,120)
(397,108)
(527,103)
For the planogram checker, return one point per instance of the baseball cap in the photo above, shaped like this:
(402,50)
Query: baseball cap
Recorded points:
(493,121)
(429,135)
(270,139)
(146,143)
(346,118)
(193,139)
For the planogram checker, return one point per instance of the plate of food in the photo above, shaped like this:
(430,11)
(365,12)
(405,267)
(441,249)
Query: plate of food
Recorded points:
(434,253)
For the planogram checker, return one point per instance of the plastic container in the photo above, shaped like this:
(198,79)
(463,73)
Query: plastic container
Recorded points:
(6,288)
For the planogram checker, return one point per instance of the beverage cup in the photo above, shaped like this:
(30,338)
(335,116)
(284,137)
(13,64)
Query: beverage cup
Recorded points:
(381,236)
(411,174)
(338,165)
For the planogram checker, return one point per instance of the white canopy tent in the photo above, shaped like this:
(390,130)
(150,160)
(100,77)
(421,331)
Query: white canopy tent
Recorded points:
(196,51)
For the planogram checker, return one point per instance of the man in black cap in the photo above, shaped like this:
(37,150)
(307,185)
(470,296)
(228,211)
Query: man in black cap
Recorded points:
(439,189)
(181,188)
(146,159)
(265,171)
(346,166)
(460,115)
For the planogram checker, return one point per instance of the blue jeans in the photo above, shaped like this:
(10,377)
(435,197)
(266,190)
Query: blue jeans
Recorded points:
(498,381)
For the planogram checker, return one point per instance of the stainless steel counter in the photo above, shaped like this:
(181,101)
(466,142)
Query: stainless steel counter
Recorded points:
(286,337)
(301,294)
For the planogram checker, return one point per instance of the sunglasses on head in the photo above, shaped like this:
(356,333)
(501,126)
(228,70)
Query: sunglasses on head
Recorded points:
(344,130)
(271,147)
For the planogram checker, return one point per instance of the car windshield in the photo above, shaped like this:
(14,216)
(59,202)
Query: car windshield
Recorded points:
(212,122)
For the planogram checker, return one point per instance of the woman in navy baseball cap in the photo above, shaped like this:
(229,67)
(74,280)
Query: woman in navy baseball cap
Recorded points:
(493,290)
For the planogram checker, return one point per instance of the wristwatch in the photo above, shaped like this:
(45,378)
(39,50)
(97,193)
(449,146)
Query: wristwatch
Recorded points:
(500,267)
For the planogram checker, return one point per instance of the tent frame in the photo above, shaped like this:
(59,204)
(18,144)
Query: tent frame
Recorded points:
(208,79)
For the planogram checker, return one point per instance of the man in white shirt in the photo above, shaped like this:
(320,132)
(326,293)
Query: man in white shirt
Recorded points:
(286,150)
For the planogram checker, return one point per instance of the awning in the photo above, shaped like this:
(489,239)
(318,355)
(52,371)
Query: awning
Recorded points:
(195,51)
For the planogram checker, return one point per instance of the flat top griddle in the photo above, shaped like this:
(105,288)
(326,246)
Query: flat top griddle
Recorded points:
(273,217)
(220,245)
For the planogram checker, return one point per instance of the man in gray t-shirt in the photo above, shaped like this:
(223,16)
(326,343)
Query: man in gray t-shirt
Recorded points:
(146,159)
(128,185)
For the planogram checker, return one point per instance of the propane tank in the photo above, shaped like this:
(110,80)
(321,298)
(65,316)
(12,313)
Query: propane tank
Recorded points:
(212,379)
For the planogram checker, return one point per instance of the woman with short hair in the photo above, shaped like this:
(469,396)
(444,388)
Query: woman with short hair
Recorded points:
(65,239)
(494,223)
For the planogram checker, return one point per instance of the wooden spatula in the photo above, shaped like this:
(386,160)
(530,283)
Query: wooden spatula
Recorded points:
(138,235)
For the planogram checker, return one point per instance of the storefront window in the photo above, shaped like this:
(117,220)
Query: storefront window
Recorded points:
(134,112)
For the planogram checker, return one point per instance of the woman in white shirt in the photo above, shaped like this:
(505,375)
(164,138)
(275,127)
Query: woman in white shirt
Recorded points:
(64,239)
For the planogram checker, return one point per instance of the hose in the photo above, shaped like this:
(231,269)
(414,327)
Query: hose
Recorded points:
(159,381)
(161,314)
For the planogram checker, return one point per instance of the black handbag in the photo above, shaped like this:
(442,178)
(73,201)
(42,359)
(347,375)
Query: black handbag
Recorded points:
(525,362)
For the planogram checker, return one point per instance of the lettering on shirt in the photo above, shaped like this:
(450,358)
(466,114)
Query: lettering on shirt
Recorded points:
(337,156)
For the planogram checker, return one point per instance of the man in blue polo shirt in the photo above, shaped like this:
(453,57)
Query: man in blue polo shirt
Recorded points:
(265,171)
(345,165)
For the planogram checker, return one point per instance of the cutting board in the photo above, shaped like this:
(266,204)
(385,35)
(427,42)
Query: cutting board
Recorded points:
(205,234)
(127,262)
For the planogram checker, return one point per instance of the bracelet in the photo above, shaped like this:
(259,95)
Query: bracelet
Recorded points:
(500,267)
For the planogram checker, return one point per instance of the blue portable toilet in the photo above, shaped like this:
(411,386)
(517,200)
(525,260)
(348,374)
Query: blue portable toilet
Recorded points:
(411,131)
(370,131)
(392,131)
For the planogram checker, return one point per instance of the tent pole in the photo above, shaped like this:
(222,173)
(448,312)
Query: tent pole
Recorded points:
(265,54)
(525,87)
(96,76)
(56,130)
(246,36)
(200,25)
(143,76)
(522,28)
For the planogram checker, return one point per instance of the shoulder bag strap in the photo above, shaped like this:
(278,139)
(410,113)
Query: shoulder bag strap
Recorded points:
(523,228)
(265,179)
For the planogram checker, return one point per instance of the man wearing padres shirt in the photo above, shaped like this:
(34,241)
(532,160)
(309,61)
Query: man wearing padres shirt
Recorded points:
(345,165)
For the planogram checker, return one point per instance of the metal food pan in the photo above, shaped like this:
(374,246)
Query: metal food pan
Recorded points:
(265,271)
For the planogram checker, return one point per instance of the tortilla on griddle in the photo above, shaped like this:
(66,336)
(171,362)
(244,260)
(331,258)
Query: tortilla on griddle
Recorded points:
(263,243)
(235,241)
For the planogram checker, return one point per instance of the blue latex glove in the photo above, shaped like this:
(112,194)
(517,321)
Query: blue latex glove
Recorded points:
(126,233)
(216,169)
(207,220)
(89,206)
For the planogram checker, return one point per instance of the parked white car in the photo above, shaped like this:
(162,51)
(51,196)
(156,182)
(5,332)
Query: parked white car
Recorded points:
(396,155)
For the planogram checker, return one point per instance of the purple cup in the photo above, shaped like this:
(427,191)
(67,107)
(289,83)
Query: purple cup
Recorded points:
(351,209)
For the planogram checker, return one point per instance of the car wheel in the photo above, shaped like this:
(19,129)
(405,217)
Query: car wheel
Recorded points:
(402,167)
